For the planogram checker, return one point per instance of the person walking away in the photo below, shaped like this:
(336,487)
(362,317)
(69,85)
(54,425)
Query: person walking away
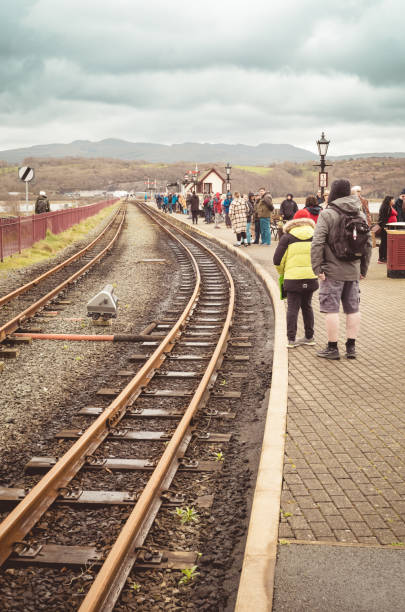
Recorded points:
(174,202)
(340,256)
(238,215)
(159,201)
(217,204)
(206,202)
(170,203)
(312,207)
(288,208)
(386,214)
(319,198)
(182,204)
(194,207)
(264,209)
(400,206)
(226,204)
(165,203)
(251,208)
(256,220)
(292,259)
(42,204)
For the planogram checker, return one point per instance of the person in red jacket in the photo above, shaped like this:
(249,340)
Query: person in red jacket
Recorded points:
(217,209)
(312,209)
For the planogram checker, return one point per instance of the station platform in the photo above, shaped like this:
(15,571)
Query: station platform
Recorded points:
(341,543)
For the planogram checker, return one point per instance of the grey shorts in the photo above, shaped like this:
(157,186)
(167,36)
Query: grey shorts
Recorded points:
(332,292)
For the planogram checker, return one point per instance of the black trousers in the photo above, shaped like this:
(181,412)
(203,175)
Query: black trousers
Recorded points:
(257,231)
(382,249)
(194,214)
(295,301)
(241,236)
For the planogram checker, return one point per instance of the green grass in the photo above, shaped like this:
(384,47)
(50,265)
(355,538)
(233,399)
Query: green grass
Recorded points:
(53,243)
(255,169)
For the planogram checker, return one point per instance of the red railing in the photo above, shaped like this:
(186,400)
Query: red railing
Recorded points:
(17,233)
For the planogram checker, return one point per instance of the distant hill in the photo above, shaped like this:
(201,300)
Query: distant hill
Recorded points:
(261,154)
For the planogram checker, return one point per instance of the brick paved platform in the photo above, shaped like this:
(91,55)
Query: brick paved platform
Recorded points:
(344,468)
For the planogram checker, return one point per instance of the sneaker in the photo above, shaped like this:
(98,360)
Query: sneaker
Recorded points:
(292,344)
(382,261)
(329,353)
(351,352)
(308,341)
(237,244)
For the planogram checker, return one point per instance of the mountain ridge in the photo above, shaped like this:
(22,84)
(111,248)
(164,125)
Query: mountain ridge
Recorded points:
(116,148)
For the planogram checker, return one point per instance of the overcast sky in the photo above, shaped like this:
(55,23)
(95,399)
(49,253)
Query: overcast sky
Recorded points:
(175,71)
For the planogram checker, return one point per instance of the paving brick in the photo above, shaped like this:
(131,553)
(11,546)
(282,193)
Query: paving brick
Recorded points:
(313,515)
(368,540)
(345,535)
(306,502)
(350,514)
(297,522)
(360,529)
(341,501)
(285,531)
(304,534)
(328,509)
(336,522)
(318,495)
(385,536)
(374,521)
(321,529)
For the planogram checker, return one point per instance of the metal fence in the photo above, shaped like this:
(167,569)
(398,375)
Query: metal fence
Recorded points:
(17,233)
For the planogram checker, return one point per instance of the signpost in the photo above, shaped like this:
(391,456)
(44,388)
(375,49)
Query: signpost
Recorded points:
(323,179)
(26,174)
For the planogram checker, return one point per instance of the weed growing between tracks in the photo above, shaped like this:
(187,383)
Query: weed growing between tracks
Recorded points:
(53,243)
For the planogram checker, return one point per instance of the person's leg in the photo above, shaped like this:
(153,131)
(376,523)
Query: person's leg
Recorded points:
(330,293)
(243,238)
(265,230)
(382,249)
(332,326)
(238,239)
(351,307)
(307,314)
(257,231)
(293,307)
(248,235)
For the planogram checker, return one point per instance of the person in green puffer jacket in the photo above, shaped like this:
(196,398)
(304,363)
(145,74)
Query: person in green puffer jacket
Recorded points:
(292,259)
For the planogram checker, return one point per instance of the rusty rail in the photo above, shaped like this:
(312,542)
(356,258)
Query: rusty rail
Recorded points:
(108,583)
(24,516)
(13,294)
(12,325)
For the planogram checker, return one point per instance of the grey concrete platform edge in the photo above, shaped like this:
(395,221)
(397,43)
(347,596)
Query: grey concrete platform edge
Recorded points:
(258,571)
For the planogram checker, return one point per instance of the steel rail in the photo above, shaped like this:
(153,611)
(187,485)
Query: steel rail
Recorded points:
(13,294)
(14,323)
(26,514)
(107,585)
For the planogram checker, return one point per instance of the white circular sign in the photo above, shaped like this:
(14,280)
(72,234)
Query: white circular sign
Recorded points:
(26,173)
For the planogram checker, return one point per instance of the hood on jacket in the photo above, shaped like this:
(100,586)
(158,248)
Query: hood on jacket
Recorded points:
(314,210)
(349,203)
(302,228)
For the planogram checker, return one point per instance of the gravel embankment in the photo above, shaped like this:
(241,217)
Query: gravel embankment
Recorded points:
(50,380)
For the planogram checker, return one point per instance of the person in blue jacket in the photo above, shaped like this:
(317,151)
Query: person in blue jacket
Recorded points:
(225,205)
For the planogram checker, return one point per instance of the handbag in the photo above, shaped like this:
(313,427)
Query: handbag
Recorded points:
(376,229)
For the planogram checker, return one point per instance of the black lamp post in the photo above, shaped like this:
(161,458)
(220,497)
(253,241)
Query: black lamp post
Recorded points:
(228,169)
(323,144)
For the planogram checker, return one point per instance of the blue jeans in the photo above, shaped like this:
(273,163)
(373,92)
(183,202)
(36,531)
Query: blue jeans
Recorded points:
(265,230)
(248,235)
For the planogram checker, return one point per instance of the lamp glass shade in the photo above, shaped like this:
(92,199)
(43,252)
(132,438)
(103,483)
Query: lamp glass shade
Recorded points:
(323,144)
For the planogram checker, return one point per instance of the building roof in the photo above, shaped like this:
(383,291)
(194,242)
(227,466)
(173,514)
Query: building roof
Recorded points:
(205,173)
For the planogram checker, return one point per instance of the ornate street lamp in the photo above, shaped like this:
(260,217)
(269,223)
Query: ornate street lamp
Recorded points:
(323,144)
(228,169)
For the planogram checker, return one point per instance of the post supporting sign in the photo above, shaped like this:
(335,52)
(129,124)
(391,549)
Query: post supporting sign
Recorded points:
(26,174)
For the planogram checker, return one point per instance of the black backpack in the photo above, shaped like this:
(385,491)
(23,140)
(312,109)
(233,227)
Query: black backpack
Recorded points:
(350,239)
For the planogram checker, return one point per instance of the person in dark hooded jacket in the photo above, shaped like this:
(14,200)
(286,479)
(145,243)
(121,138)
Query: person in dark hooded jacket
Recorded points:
(312,207)
(249,215)
(288,208)
(42,204)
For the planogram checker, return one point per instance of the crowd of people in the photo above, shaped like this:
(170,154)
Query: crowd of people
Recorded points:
(325,245)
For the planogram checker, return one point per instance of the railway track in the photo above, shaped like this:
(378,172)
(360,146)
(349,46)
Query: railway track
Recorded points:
(27,300)
(198,337)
